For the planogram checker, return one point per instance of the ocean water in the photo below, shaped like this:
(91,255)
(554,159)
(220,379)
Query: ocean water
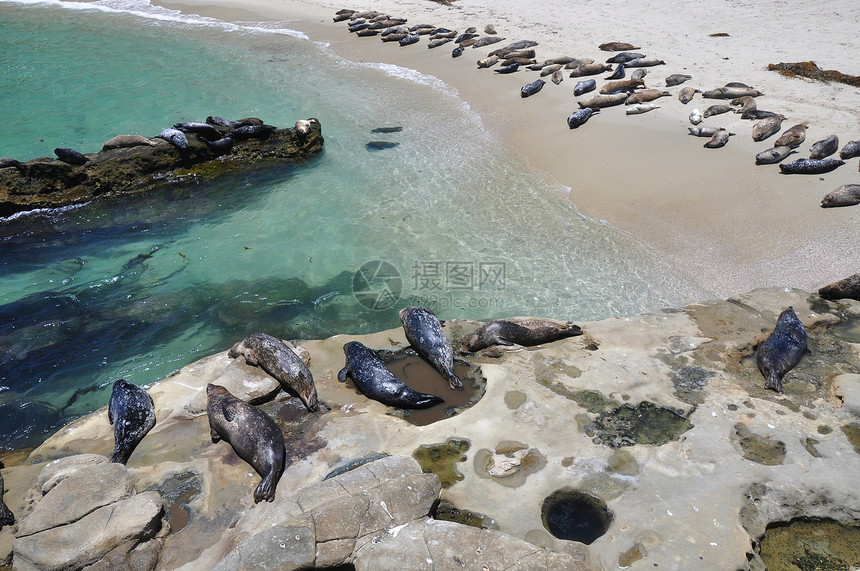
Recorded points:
(137,287)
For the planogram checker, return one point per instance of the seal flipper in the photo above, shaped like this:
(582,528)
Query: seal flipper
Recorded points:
(343,374)
(774,382)
(453,380)
(214,435)
(265,490)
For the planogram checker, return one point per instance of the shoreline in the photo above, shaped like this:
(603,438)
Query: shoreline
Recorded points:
(726,224)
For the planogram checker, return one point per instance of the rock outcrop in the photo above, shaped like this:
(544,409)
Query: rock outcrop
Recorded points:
(47,182)
(663,418)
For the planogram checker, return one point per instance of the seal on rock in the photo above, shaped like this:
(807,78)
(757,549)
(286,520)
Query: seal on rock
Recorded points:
(201,128)
(375,381)
(520,331)
(774,155)
(71,156)
(6,515)
(122,141)
(782,350)
(253,435)
(280,361)
(810,166)
(847,288)
(220,147)
(578,118)
(132,414)
(424,333)
(246,132)
(175,137)
(845,195)
(824,147)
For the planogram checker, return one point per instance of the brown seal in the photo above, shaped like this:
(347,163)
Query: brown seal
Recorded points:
(847,288)
(792,137)
(611,86)
(253,435)
(123,141)
(645,96)
(521,331)
(824,147)
(845,195)
(617,47)
(686,94)
(767,127)
(280,361)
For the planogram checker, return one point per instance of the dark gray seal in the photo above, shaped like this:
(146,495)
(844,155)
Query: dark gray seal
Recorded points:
(782,350)
(810,166)
(281,362)
(424,333)
(246,132)
(850,150)
(132,414)
(409,40)
(847,288)
(716,110)
(530,89)
(220,147)
(774,155)
(578,118)
(375,381)
(458,51)
(510,68)
(584,86)
(71,156)
(845,195)
(527,332)
(824,147)
(201,128)
(380,145)
(718,139)
(6,515)
(624,57)
(253,435)
(619,72)
(677,79)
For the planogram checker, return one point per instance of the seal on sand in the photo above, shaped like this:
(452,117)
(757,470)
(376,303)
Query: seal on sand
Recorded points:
(718,139)
(532,88)
(6,515)
(677,79)
(824,147)
(600,101)
(848,288)
(520,331)
(424,333)
(767,127)
(132,414)
(792,137)
(253,435)
(782,350)
(375,381)
(686,94)
(645,96)
(850,150)
(845,195)
(810,166)
(774,155)
(280,361)
(578,118)
(584,86)
(617,47)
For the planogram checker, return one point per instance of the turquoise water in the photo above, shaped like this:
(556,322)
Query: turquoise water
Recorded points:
(140,286)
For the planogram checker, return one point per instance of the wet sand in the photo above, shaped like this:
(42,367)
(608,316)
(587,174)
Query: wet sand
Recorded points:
(729,225)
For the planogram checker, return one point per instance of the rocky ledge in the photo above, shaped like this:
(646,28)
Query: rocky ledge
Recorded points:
(653,434)
(133,163)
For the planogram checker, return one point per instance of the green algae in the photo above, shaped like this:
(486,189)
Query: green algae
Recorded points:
(631,556)
(592,401)
(643,424)
(757,448)
(515,399)
(852,431)
(690,383)
(447,511)
(440,459)
(811,545)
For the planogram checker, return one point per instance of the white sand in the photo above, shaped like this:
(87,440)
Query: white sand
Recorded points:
(729,224)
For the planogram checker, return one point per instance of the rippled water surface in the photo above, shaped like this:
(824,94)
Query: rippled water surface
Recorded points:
(137,287)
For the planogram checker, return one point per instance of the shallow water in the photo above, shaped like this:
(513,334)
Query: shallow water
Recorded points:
(137,287)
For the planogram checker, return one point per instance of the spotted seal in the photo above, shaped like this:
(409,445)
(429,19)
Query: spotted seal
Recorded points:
(731,92)
(578,118)
(280,361)
(584,86)
(254,436)
(246,132)
(773,155)
(782,350)
(850,150)
(71,156)
(810,166)
(123,141)
(824,147)
(6,515)
(510,68)
(847,288)
(845,195)
(424,333)
(766,127)
(624,57)
(375,381)
(175,137)
(520,331)
(619,72)
(409,40)
(132,414)
(531,88)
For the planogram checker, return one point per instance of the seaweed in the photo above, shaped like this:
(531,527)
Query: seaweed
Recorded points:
(810,70)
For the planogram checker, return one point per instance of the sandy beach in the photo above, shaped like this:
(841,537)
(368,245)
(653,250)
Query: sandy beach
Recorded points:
(728,224)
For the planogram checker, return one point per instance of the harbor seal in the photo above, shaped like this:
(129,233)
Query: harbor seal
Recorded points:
(774,155)
(746,103)
(246,132)
(624,57)
(850,150)
(520,331)
(640,73)
(589,69)
(409,40)
(792,137)
(424,333)
(824,147)
(686,94)
(510,68)
(719,139)
(619,72)
(132,414)
(644,62)
(375,381)
(175,137)
(620,84)
(220,147)
(617,47)
(584,86)
(677,79)
(810,166)
(201,128)
(645,96)
(558,76)
(123,141)
(705,131)
(437,42)
(488,62)
(254,436)
(578,118)
(782,350)
(716,110)
(767,127)
(71,156)
(847,288)
(601,101)
(639,108)
(531,88)
(6,163)
(486,41)
(731,92)
(6,515)
(695,116)
(279,360)
(845,195)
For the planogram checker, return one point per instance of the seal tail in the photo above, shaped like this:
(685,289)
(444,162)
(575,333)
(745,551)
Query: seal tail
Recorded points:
(266,489)
(427,401)
(453,380)
(121,454)
(774,382)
